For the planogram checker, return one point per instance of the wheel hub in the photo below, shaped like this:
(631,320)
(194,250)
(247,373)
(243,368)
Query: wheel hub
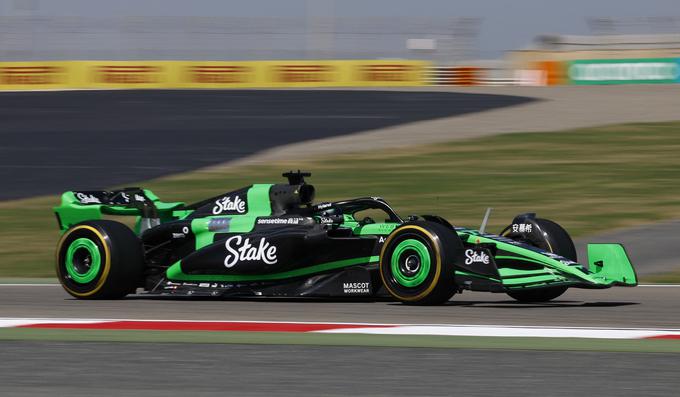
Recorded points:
(410,262)
(83,260)
(411,265)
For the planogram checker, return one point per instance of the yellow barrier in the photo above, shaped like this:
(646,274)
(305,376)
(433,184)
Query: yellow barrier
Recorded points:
(209,74)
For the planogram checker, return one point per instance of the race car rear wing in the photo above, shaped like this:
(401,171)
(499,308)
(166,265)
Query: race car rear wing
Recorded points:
(79,206)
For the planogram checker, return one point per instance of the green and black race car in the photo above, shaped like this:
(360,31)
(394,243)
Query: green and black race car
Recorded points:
(272,240)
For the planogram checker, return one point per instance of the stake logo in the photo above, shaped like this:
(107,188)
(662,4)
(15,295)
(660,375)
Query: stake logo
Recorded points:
(227,204)
(241,250)
(87,198)
(472,256)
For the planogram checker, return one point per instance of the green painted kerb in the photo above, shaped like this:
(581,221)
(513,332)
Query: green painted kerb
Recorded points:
(403,250)
(95,260)
(174,272)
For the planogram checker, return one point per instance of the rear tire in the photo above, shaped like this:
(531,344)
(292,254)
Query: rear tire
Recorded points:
(99,260)
(557,241)
(416,263)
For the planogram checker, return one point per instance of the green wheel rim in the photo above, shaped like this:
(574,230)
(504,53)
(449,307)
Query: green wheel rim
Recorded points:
(404,250)
(79,248)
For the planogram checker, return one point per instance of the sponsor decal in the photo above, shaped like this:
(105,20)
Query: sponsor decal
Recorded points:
(226,74)
(559,258)
(183,234)
(356,288)
(381,239)
(128,74)
(386,73)
(321,206)
(229,204)
(522,227)
(500,238)
(623,71)
(87,198)
(219,225)
(280,221)
(474,256)
(304,73)
(137,197)
(31,75)
(241,250)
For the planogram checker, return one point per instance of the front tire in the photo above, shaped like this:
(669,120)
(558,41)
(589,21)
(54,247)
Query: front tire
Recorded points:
(416,263)
(99,260)
(556,240)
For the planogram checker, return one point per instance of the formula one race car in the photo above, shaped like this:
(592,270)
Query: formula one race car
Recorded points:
(272,240)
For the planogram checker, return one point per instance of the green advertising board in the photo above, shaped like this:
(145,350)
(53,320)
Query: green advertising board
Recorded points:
(624,71)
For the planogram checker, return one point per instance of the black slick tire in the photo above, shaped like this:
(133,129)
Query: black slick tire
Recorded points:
(417,263)
(557,241)
(99,259)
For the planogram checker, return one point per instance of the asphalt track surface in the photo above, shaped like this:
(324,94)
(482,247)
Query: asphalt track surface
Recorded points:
(115,369)
(645,307)
(56,141)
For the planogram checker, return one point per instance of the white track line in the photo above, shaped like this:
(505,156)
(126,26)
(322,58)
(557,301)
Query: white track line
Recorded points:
(17,322)
(507,332)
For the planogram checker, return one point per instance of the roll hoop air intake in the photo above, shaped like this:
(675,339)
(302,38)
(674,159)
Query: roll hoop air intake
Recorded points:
(297,192)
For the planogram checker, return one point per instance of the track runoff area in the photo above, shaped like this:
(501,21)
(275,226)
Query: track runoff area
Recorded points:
(447,326)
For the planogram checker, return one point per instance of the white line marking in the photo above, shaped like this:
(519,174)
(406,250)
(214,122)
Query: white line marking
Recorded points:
(660,285)
(30,285)
(512,332)
(17,322)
